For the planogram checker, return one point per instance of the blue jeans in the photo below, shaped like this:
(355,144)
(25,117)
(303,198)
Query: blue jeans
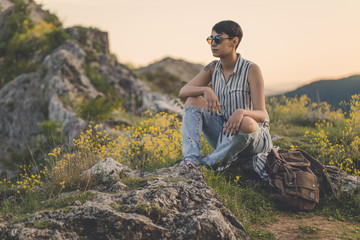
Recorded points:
(226,149)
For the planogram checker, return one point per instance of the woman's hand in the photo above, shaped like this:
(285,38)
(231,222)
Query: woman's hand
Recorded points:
(233,124)
(212,102)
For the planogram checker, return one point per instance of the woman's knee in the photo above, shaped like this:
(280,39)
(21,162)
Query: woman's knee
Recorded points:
(248,125)
(195,101)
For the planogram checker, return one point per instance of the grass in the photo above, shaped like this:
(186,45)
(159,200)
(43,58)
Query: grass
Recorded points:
(260,234)
(249,203)
(21,206)
(309,229)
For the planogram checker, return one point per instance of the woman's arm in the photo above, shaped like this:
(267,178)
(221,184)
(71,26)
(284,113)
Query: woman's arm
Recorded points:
(257,94)
(198,86)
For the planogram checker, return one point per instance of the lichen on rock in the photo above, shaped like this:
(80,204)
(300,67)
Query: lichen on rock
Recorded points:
(169,203)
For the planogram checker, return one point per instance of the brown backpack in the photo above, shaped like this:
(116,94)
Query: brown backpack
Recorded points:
(294,183)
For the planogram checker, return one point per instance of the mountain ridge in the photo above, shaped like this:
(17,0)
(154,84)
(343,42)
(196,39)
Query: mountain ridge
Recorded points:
(331,91)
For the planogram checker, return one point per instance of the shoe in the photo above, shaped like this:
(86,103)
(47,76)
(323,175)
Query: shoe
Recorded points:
(187,164)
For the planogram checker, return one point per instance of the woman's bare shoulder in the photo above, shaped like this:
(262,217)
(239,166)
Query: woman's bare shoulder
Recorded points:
(210,67)
(255,74)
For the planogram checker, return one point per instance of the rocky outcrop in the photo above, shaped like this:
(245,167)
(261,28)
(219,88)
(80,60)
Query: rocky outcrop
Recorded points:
(52,92)
(178,67)
(169,74)
(170,203)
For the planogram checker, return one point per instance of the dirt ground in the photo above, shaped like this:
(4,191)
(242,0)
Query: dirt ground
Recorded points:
(312,227)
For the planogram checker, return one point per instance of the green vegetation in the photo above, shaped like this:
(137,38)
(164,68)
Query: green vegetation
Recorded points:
(98,109)
(24,44)
(154,212)
(309,229)
(248,202)
(15,24)
(42,224)
(259,234)
(134,183)
(330,136)
(98,81)
(23,205)
(345,206)
(48,136)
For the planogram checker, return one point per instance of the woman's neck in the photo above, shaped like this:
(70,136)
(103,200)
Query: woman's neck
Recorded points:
(228,62)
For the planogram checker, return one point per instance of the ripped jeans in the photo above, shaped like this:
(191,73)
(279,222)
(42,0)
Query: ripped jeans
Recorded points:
(226,149)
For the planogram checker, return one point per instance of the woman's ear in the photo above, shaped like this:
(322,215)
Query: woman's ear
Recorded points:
(235,41)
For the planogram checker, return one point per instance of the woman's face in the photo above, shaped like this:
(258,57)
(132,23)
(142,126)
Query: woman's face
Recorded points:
(224,47)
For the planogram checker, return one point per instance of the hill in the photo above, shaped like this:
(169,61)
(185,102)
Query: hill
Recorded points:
(330,91)
(169,75)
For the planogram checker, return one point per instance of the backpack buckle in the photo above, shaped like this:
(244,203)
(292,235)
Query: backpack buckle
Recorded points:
(278,162)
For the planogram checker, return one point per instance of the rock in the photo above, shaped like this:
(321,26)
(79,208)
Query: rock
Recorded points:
(109,170)
(340,181)
(275,137)
(170,203)
(314,117)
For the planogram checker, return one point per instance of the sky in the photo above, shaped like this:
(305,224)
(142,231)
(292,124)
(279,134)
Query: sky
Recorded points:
(294,42)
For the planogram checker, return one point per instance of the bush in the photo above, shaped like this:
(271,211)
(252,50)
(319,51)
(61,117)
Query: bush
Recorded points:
(98,81)
(97,109)
(297,111)
(337,141)
(18,22)
(24,44)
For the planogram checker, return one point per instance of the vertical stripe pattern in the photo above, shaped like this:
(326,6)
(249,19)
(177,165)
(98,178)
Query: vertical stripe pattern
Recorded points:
(235,93)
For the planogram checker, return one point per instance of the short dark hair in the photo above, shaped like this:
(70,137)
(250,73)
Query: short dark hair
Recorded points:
(230,28)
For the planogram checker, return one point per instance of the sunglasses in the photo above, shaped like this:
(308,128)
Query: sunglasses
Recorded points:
(216,39)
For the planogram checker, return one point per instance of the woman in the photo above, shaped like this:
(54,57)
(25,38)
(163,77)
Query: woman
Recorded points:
(232,113)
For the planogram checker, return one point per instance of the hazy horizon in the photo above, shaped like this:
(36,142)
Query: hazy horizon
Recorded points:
(293,42)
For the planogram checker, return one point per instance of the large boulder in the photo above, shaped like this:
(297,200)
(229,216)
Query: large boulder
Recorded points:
(170,203)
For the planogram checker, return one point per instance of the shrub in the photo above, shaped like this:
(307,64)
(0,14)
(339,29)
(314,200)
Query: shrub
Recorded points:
(18,22)
(298,111)
(337,141)
(24,44)
(153,143)
(98,81)
(97,109)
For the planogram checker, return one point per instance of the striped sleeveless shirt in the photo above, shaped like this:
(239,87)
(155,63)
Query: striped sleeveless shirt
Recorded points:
(235,93)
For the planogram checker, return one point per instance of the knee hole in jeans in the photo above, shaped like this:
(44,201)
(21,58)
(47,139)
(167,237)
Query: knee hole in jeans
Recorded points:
(248,125)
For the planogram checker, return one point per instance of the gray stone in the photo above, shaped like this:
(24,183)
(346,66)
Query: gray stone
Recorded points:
(109,170)
(170,203)
(340,181)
